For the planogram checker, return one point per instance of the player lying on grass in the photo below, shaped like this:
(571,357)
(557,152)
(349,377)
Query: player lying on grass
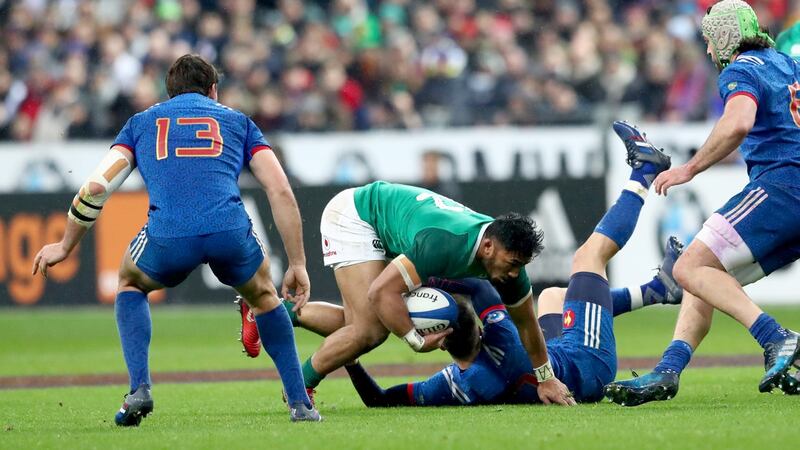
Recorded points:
(585,356)
(756,232)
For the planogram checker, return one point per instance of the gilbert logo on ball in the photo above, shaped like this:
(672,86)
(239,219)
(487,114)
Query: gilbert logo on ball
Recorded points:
(431,309)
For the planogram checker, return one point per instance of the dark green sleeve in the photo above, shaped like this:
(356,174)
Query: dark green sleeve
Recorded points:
(514,290)
(439,253)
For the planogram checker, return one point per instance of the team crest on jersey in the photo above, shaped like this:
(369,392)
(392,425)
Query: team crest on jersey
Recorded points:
(732,85)
(569,318)
(495,316)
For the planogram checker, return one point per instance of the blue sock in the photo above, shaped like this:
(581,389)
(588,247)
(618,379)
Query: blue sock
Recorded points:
(135,328)
(644,175)
(277,337)
(766,330)
(620,220)
(653,292)
(676,357)
(622,300)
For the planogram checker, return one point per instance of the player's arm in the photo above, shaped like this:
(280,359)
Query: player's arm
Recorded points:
(735,124)
(551,389)
(87,205)
(373,395)
(268,171)
(386,297)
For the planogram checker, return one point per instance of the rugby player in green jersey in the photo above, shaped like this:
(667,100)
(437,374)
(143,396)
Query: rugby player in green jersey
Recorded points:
(383,240)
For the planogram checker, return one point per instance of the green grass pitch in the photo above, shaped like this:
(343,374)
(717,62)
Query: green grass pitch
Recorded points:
(716,407)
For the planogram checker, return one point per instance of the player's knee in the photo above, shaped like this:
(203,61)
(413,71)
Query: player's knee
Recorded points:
(682,271)
(371,337)
(551,301)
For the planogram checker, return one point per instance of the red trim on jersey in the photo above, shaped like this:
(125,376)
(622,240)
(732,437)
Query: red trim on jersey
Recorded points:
(753,97)
(490,309)
(258,148)
(410,391)
(527,378)
(126,147)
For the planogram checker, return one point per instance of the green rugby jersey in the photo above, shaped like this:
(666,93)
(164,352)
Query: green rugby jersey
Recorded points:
(438,235)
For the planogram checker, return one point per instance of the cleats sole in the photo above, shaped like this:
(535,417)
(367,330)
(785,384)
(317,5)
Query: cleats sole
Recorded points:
(627,396)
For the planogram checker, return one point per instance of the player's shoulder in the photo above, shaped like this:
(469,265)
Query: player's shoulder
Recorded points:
(757,62)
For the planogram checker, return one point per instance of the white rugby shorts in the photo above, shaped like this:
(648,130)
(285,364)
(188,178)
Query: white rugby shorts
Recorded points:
(346,239)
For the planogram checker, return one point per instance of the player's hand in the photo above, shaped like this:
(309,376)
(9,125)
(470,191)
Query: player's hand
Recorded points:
(672,177)
(434,340)
(553,391)
(49,255)
(296,286)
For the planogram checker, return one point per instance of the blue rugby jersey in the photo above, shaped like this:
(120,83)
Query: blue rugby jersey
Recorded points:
(190,151)
(497,370)
(772,148)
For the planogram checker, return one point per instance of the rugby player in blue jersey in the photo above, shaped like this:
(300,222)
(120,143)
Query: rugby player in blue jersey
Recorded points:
(190,151)
(756,232)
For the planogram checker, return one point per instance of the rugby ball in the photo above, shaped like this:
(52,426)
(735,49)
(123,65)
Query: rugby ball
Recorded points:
(431,309)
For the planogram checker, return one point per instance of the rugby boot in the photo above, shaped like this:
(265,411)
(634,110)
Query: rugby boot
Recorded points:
(779,358)
(299,412)
(655,386)
(674,292)
(248,334)
(641,151)
(136,406)
(790,383)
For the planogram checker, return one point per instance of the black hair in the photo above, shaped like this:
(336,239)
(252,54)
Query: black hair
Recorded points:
(518,234)
(190,74)
(466,337)
(755,43)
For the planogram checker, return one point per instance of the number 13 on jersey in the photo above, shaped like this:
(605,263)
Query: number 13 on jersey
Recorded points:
(211,132)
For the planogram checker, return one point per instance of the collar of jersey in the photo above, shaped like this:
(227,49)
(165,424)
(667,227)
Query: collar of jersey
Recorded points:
(477,243)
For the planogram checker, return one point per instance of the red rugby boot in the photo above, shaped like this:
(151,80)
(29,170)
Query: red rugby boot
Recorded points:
(249,337)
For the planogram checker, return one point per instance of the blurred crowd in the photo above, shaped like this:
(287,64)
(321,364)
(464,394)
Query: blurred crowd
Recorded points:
(75,69)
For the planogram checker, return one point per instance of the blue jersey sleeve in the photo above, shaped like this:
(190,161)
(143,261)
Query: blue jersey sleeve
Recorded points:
(452,386)
(484,296)
(739,79)
(254,141)
(125,137)
(441,389)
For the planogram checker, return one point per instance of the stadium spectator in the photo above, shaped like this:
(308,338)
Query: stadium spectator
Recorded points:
(77,68)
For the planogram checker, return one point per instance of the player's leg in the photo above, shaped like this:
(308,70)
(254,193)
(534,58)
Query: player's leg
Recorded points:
(694,322)
(589,337)
(141,271)
(363,332)
(238,259)
(744,231)
(661,289)
(322,318)
(353,249)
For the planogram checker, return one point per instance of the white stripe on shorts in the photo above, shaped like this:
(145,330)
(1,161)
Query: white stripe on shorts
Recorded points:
(141,250)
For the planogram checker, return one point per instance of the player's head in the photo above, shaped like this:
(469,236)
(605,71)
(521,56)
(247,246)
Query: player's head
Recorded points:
(465,340)
(510,242)
(192,74)
(731,27)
